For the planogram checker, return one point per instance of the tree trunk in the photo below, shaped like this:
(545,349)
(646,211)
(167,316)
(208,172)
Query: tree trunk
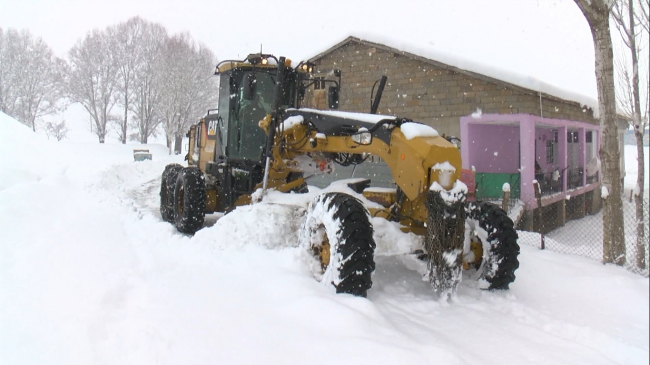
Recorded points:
(597,14)
(102,133)
(178,144)
(638,201)
(126,115)
(99,131)
(638,133)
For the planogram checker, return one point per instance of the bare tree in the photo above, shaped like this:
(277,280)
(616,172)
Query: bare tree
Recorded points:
(126,40)
(31,77)
(597,13)
(643,14)
(201,94)
(9,71)
(630,100)
(93,78)
(189,88)
(175,56)
(149,81)
(5,85)
(56,130)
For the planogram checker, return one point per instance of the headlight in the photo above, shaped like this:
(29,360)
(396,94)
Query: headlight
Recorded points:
(362,138)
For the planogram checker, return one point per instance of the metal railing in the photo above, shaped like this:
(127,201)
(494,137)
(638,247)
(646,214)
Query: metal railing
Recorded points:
(575,178)
(550,182)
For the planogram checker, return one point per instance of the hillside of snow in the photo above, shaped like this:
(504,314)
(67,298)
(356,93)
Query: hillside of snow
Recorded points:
(90,274)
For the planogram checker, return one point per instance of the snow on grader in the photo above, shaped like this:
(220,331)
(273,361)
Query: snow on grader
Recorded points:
(260,138)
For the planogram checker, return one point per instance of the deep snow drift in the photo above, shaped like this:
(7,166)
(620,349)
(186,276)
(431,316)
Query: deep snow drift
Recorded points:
(89,274)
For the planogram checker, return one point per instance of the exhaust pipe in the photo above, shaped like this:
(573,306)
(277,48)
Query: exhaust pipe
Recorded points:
(380,90)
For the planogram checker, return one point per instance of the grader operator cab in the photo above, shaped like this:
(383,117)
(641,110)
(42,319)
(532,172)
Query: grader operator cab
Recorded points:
(261,138)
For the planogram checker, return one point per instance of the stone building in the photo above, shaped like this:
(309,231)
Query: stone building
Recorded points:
(436,93)
(512,128)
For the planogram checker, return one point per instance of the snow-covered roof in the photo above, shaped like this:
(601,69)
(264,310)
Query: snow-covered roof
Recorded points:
(462,65)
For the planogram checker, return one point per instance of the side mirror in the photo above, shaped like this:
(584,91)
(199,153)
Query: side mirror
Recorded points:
(333,97)
(250,84)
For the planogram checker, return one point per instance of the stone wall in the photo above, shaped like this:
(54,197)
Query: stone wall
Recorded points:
(431,93)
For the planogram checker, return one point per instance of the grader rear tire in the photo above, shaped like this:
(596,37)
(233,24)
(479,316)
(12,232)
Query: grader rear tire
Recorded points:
(499,238)
(337,238)
(167,185)
(189,200)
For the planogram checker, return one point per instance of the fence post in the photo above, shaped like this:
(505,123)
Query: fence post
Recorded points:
(505,203)
(538,215)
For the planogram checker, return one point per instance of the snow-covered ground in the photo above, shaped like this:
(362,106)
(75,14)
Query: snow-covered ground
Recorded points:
(89,274)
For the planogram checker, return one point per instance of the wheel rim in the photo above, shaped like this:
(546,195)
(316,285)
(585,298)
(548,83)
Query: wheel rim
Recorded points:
(322,251)
(324,254)
(475,247)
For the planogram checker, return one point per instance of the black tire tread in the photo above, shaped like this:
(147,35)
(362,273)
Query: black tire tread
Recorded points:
(502,239)
(192,181)
(166,194)
(356,243)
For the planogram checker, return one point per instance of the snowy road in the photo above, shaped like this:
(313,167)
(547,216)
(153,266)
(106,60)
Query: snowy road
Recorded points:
(89,274)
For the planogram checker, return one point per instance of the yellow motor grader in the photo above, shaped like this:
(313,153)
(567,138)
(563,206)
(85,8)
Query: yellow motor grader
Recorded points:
(261,138)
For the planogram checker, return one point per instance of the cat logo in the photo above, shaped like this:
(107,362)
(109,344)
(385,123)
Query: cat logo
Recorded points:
(212,129)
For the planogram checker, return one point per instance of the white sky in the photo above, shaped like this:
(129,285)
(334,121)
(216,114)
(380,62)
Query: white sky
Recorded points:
(543,39)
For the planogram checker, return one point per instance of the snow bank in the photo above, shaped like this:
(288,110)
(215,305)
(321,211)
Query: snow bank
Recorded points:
(26,156)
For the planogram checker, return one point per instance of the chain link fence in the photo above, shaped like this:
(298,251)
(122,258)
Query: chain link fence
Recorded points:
(575,226)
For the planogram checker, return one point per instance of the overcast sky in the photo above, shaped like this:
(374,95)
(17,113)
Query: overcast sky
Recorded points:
(545,39)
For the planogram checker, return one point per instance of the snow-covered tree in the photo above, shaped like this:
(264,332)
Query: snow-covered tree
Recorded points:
(597,13)
(31,77)
(7,95)
(149,81)
(93,78)
(57,130)
(125,39)
(633,82)
(189,88)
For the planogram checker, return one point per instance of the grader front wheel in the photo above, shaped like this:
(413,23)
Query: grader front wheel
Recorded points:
(337,238)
